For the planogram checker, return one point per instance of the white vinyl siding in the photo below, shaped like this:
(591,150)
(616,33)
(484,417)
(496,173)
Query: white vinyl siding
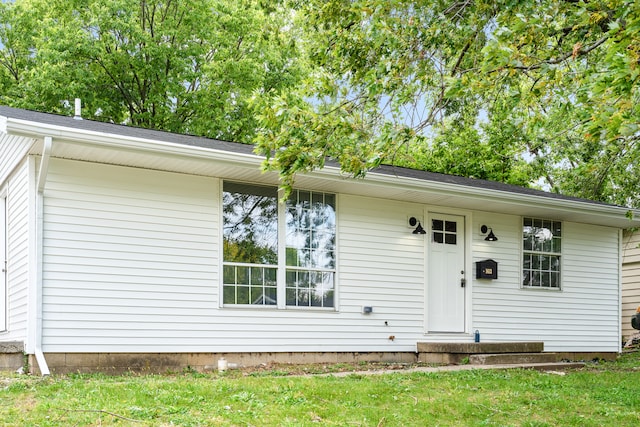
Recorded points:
(3,261)
(17,276)
(382,265)
(132,261)
(130,258)
(13,152)
(582,317)
(630,280)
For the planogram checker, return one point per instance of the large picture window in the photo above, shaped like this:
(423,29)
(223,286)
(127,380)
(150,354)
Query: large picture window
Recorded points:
(542,247)
(259,268)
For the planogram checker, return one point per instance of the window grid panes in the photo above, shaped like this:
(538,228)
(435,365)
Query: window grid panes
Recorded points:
(542,248)
(309,288)
(255,285)
(310,249)
(444,231)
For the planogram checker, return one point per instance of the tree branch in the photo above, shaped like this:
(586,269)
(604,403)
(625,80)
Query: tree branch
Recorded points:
(574,53)
(463,52)
(457,8)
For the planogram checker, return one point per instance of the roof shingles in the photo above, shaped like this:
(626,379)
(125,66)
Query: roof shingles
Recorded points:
(234,147)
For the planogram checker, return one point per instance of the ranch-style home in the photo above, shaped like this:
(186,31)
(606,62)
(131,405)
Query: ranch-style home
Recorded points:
(128,247)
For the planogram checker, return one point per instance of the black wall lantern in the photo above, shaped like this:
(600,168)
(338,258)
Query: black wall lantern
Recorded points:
(419,230)
(491,237)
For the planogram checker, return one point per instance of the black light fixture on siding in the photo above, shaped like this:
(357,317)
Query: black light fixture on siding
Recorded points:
(491,237)
(419,230)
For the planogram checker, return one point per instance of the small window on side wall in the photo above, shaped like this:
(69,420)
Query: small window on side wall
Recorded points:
(541,253)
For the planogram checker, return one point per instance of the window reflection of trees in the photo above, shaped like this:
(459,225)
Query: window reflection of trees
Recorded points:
(310,230)
(542,245)
(310,244)
(250,224)
(250,240)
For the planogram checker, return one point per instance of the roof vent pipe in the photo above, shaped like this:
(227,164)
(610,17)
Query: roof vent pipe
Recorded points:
(78,113)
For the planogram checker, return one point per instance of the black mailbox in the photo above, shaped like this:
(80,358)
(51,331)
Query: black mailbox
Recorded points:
(487,269)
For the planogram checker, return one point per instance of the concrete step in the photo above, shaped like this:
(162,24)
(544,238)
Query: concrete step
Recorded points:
(513,358)
(9,347)
(481,347)
(11,355)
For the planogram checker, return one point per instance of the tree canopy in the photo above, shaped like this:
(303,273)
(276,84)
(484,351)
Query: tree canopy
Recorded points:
(541,92)
(184,66)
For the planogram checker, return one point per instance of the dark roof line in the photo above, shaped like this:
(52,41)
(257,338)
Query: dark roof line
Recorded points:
(234,147)
(477,183)
(125,130)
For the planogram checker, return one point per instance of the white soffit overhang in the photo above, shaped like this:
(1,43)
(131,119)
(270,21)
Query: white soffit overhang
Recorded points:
(123,150)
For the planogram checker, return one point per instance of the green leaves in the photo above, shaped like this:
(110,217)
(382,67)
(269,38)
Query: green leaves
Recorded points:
(532,93)
(187,66)
(523,92)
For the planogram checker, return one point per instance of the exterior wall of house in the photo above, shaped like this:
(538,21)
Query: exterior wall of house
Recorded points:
(132,264)
(583,316)
(15,180)
(382,265)
(13,151)
(630,280)
(132,260)
(18,265)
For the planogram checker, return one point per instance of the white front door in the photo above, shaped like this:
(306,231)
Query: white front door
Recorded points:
(446,276)
(3,263)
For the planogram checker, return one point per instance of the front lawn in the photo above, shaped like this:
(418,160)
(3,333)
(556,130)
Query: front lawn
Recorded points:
(600,394)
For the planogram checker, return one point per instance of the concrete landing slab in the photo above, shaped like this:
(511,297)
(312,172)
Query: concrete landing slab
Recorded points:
(11,355)
(550,367)
(513,358)
(11,347)
(481,347)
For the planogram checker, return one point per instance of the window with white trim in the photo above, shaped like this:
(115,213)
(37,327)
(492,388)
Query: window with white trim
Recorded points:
(542,250)
(262,270)
(311,232)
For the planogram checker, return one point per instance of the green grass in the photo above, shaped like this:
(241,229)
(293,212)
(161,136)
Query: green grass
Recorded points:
(602,394)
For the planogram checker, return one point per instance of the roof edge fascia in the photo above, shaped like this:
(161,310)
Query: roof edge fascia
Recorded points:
(87,137)
(114,140)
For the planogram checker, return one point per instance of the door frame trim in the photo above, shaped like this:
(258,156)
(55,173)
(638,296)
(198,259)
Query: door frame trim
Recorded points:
(468,295)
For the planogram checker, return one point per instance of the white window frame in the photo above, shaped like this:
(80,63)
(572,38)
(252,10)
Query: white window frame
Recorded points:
(524,252)
(281,265)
